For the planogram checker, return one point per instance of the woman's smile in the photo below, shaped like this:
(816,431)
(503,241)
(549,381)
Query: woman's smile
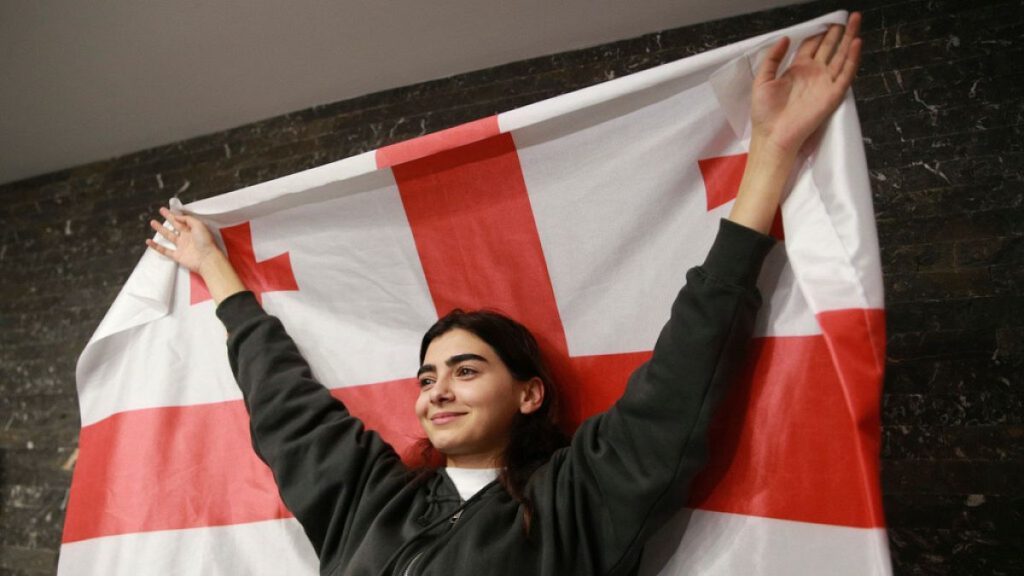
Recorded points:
(441,418)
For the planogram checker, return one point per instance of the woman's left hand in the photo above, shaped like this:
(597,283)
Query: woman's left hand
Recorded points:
(786,109)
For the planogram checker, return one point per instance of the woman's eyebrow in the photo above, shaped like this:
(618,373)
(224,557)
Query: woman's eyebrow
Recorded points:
(451,362)
(462,358)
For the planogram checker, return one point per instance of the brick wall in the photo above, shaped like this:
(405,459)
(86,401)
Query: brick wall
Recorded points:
(940,97)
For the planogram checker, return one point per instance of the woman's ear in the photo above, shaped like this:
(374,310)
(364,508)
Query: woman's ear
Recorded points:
(532,396)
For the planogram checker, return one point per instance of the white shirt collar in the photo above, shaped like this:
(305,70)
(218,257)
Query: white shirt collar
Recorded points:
(469,481)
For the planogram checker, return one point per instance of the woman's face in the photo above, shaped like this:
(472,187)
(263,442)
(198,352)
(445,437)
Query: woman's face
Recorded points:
(468,399)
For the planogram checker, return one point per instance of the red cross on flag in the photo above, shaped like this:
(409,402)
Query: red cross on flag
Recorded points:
(579,216)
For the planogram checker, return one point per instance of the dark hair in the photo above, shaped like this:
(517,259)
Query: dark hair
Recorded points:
(535,436)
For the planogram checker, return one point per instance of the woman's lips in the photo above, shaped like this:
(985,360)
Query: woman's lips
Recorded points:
(445,417)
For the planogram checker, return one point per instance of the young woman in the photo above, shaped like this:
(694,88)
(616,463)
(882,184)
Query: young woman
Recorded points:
(486,401)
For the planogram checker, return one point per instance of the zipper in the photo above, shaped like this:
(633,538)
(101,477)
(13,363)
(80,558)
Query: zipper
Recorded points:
(408,569)
(451,521)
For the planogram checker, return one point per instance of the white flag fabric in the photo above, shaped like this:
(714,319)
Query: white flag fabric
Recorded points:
(579,216)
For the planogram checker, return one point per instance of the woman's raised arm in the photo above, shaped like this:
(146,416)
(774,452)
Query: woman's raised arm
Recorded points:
(325,463)
(629,469)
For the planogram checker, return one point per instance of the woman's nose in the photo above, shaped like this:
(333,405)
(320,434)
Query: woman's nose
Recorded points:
(441,392)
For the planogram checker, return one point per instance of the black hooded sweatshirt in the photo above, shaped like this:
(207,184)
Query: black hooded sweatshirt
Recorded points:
(596,502)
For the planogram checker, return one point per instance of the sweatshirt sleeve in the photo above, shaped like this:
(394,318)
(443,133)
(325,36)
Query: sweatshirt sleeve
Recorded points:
(629,469)
(326,465)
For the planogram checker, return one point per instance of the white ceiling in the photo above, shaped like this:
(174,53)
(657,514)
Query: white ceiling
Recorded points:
(86,81)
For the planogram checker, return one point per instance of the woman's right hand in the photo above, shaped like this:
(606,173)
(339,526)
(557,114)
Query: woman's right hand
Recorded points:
(192,240)
(195,249)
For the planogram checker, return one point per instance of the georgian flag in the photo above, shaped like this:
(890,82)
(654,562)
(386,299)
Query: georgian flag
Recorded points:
(579,216)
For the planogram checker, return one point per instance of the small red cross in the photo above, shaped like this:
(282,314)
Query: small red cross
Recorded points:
(722,176)
(271,275)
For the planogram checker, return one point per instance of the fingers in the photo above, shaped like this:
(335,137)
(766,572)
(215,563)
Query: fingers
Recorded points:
(161,249)
(827,46)
(809,47)
(179,223)
(843,52)
(170,235)
(832,47)
(850,65)
(770,67)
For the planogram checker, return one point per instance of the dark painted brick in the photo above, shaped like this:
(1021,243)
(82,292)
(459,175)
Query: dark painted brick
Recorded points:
(941,344)
(952,202)
(919,257)
(967,409)
(902,13)
(33,516)
(952,477)
(973,511)
(937,442)
(942,228)
(1006,251)
(989,313)
(1006,139)
(940,374)
(935,98)
(1000,63)
(950,121)
(941,285)
(37,467)
(21,561)
(955,534)
(943,551)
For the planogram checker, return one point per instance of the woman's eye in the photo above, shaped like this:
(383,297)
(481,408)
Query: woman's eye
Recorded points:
(465,371)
